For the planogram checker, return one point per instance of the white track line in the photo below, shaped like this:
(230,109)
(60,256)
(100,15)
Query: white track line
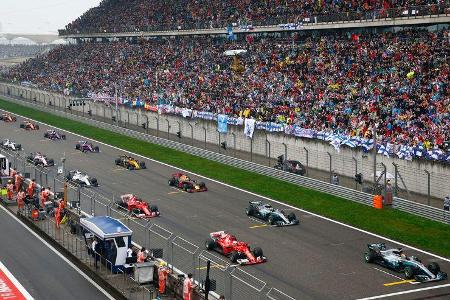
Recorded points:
(239,189)
(16,283)
(407,292)
(85,276)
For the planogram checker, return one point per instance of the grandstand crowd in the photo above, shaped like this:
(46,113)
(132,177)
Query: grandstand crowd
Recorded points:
(340,82)
(147,15)
(13,51)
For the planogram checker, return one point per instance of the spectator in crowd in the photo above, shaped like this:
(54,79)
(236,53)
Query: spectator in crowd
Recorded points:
(335,179)
(447,203)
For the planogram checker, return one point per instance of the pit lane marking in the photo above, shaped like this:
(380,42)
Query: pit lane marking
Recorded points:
(212,266)
(390,274)
(395,276)
(399,282)
(258,226)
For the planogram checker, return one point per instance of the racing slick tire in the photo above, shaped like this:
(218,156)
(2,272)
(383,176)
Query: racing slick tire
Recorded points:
(234,256)
(130,167)
(14,119)
(78,146)
(154,208)
(22,126)
(117,161)
(96,149)
(19,147)
(50,162)
(142,165)
(434,268)
(186,188)
(46,135)
(250,211)
(257,252)
(409,273)
(36,127)
(63,136)
(369,257)
(172,181)
(202,184)
(271,220)
(210,244)
(292,217)
(94,181)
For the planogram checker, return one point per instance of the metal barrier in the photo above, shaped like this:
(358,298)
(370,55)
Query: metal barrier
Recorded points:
(245,286)
(180,253)
(335,190)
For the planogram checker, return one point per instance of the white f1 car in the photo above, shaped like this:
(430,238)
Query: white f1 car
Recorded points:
(11,145)
(81,178)
(39,159)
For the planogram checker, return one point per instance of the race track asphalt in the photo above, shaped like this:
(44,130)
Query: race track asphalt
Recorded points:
(318,259)
(39,270)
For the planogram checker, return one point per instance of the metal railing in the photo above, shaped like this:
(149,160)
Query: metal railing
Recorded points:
(182,255)
(335,190)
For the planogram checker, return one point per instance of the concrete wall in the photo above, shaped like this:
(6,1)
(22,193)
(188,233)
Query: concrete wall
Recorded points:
(312,153)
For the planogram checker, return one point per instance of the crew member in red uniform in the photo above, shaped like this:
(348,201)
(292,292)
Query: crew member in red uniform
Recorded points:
(10,190)
(31,188)
(17,182)
(163,271)
(20,199)
(188,286)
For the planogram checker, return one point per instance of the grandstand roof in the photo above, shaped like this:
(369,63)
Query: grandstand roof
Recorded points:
(4,41)
(22,41)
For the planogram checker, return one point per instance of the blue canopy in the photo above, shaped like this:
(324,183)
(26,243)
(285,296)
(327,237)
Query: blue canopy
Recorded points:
(105,227)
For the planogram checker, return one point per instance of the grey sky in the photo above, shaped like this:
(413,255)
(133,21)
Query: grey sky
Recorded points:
(40,16)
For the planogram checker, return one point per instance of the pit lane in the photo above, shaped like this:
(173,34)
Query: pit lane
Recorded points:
(316,260)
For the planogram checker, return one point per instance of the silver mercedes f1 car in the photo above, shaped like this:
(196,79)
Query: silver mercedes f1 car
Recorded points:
(396,260)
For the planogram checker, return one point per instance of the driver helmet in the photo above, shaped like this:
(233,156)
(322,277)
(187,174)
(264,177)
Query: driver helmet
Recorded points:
(10,181)
(235,243)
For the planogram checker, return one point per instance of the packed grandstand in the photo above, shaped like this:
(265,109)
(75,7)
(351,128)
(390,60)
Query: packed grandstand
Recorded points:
(148,15)
(338,85)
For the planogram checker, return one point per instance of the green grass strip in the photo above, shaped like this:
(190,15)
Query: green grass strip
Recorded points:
(419,232)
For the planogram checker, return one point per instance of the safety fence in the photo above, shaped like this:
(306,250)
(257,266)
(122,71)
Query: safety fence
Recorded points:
(25,95)
(73,240)
(181,255)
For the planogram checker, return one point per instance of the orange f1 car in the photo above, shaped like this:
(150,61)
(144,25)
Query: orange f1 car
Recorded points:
(8,118)
(27,125)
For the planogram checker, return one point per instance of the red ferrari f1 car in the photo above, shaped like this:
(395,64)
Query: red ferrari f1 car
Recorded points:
(238,252)
(137,207)
(27,125)
(183,182)
(8,118)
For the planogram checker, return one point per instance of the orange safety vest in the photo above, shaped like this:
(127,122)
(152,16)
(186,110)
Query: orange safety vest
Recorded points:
(162,276)
(20,198)
(31,188)
(17,182)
